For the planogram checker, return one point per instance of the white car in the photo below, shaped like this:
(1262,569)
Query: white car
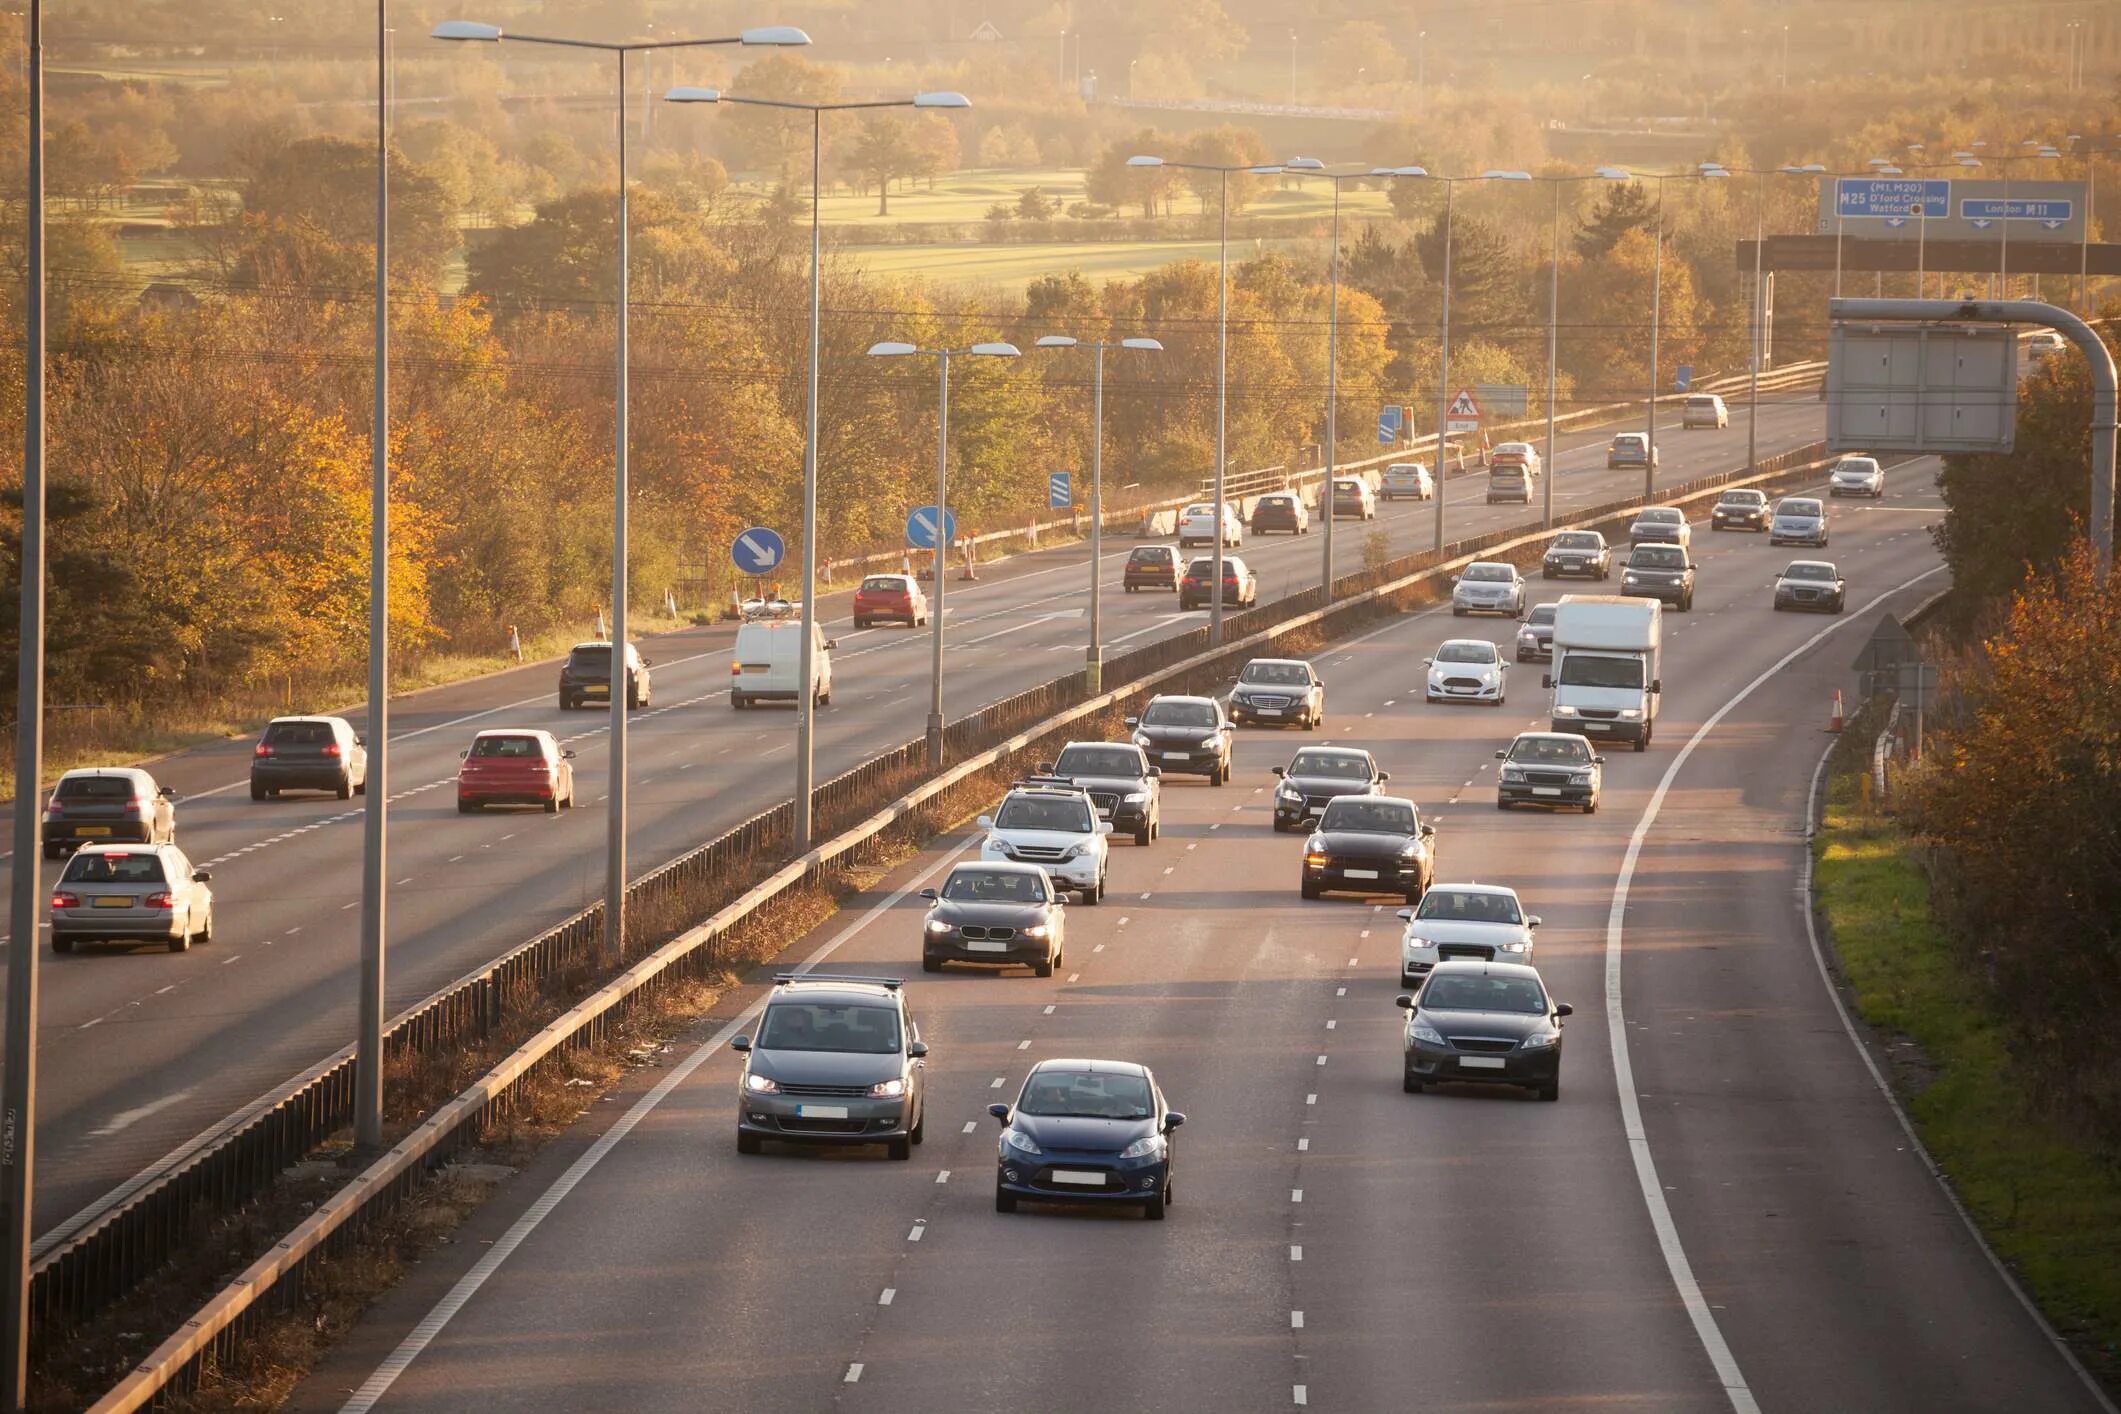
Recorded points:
(1705,410)
(1352,496)
(1467,670)
(1857,476)
(1488,587)
(1481,922)
(1406,479)
(2042,346)
(1055,827)
(1196,525)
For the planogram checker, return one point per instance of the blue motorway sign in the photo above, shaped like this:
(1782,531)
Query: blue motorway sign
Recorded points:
(1058,495)
(758,551)
(1983,212)
(920,528)
(1892,197)
(1388,425)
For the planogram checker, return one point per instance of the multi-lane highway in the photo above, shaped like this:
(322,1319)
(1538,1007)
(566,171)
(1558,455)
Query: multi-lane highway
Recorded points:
(1721,1212)
(142,1050)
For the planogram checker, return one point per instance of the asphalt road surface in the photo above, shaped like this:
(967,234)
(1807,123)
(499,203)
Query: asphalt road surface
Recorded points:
(1721,1212)
(143,1049)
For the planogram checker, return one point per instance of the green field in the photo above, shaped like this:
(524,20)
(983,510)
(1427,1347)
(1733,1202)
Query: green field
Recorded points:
(1012,267)
(966,196)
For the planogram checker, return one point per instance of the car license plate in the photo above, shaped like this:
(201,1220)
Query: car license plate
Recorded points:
(1105,814)
(595,691)
(1595,726)
(1546,790)
(987,947)
(96,830)
(115,901)
(1178,755)
(1086,1180)
(826,1111)
(1359,873)
(1268,711)
(1480,1062)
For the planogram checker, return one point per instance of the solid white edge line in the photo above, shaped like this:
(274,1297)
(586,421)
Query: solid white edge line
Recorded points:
(467,1286)
(1812,820)
(1660,1211)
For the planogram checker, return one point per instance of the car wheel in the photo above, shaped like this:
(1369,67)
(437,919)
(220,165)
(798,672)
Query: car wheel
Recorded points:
(748,1143)
(1004,1200)
(1153,1210)
(1043,967)
(1551,1090)
(1457,612)
(55,851)
(1279,827)
(1143,835)
(1778,606)
(1840,604)
(552,806)
(206,934)
(465,807)
(182,944)
(62,945)
(736,702)
(899,1150)
(344,790)
(1590,807)
(861,623)
(1310,890)
(929,964)
(1411,1083)
(1501,804)
(257,792)
(919,1133)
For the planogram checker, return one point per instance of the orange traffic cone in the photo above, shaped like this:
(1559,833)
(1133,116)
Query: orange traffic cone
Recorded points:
(1835,725)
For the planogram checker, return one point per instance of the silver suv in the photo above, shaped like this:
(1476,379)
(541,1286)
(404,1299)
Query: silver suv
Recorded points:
(1055,827)
(837,1060)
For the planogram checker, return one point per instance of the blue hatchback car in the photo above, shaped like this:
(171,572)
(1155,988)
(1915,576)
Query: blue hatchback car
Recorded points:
(1086,1131)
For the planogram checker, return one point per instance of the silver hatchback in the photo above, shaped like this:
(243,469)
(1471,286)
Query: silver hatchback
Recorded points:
(115,893)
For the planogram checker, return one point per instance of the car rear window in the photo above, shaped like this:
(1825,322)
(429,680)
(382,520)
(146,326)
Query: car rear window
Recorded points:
(96,787)
(1151,555)
(115,869)
(515,747)
(299,734)
(884,584)
(1701,404)
(595,660)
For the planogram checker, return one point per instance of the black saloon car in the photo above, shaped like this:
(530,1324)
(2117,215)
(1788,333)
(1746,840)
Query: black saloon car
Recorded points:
(1187,735)
(1664,572)
(586,675)
(1740,509)
(1811,584)
(1086,1131)
(836,1060)
(1577,554)
(1151,567)
(996,915)
(1279,692)
(1483,1023)
(1319,775)
(1119,781)
(1370,844)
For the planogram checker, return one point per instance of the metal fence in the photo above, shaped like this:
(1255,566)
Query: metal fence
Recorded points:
(106,1251)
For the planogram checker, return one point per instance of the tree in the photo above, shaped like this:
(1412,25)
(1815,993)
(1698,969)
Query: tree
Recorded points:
(1033,205)
(1625,207)
(1225,146)
(775,141)
(566,254)
(328,184)
(883,150)
(1486,278)
(1111,182)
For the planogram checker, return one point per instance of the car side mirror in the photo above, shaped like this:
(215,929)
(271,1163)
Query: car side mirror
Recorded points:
(1104,827)
(1045,768)
(740,1043)
(1173,1120)
(166,793)
(647,662)
(1531,920)
(831,643)
(1156,773)
(1454,579)
(1404,1001)
(1428,831)
(1383,776)
(1597,760)
(985,822)
(917,1049)
(567,753)
(1281,770)
(1130,722)
(1502,756)
(1546,679)
(1428,662)
(360,741)
(1656,684)
(463,756)
(930,894)
(1564,1009)
(200,876)
(1000,1112)
(1407,914)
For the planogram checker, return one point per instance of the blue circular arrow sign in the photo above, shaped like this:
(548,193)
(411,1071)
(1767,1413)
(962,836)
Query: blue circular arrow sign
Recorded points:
(758,551)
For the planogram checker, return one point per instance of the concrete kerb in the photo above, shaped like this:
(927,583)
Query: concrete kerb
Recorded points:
(168,1360)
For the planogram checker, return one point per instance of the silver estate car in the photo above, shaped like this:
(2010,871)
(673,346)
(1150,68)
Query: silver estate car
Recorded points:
(132,893)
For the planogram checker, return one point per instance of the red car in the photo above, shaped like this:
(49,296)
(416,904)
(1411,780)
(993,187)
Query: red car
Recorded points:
(894,597)
(515,766)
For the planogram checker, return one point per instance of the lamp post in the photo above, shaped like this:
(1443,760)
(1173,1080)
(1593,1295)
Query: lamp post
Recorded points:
(2042,153)
(1705,171)
(942,357)
(1222,352)
(1597,174)
(1094,653)
(614,929)
(1757,351)
(806,647)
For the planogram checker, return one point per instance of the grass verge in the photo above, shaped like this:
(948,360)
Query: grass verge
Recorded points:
(2045,1198)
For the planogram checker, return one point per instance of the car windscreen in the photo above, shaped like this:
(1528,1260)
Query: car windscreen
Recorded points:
(1488,574)
(1468,906)
(1520,995)
(517,748)
(824,1026)
(1578,540)
(1862,466)
(114,869)
(299,734)
(884,584)
(1086,1095)
(1362,816)
(1658,515)
(1541,614)
(1330,766)
(1550,751)
(1742,498)
(1466,653)
(1276,674)
(1800,509)
(1822,573)
(1098,761)
(1066,814)
(1658,557)
(1179,714)
(995,886)
(1580,670)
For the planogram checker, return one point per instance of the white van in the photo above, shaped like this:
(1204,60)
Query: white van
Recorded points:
(766,664)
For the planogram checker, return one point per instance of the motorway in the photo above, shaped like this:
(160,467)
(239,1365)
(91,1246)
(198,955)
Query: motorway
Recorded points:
(142,1050)
(1722,1211)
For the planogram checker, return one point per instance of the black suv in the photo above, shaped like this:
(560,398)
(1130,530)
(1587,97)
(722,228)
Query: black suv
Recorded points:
(837,1060)
(1119,781)
(1151,567)
(1185,734)
(309,753)
(995,914)
(587,674)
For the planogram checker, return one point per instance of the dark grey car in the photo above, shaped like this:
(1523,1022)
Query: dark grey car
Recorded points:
(1121,784)
(1664,572)
(996,915)
(837,1060)
(309,753)
(1189,735)
(108,805)
(1319,775)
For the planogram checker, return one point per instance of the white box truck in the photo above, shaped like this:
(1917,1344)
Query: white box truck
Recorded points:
(1605,673)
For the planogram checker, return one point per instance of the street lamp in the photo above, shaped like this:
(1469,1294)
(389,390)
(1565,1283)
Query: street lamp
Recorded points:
(1222,353)
(614,932)
(1703,171)
(806,648)
(1094,659)
(375,803)
(892,348)
(1597,174)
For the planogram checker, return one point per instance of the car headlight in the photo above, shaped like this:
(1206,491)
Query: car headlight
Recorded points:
(1509,773)
(1149,1146)
(1422,1031)
(1540,1040)
(760,1084)
(1075,851)
(1564,711)
(1582,778)
(1035,931)
(1021,1142)
(1288,793)
(992,845)
(1135,797)
(1210,742)
(1415,944)
(939,929)
(1630,713)
(1525,635)
(887,1089)
(1516,947)
(1142,739)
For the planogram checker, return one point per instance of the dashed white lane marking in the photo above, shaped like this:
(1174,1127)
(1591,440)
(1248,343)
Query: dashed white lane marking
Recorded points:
(1340,991)
(1321,1060)
(1023,1045)
(344,906)
(96,1021)
(1332,1025)
(1098,948)
(1300,1395)
(1073,976)
(920,1226)
(1049,1009)
(1296,1195)
(403,882)
(942,1176)
(1296,1252)
(292,931)
(854,1373)
(228,960)
(170,988)
(1145,895)
(1169,868)
(1296,1320)
(1353,961)
(999,1082)
(970,1126)
(1124,919)
(1303,1146)
(1365,933)
(890,1294)
(1311,1099)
